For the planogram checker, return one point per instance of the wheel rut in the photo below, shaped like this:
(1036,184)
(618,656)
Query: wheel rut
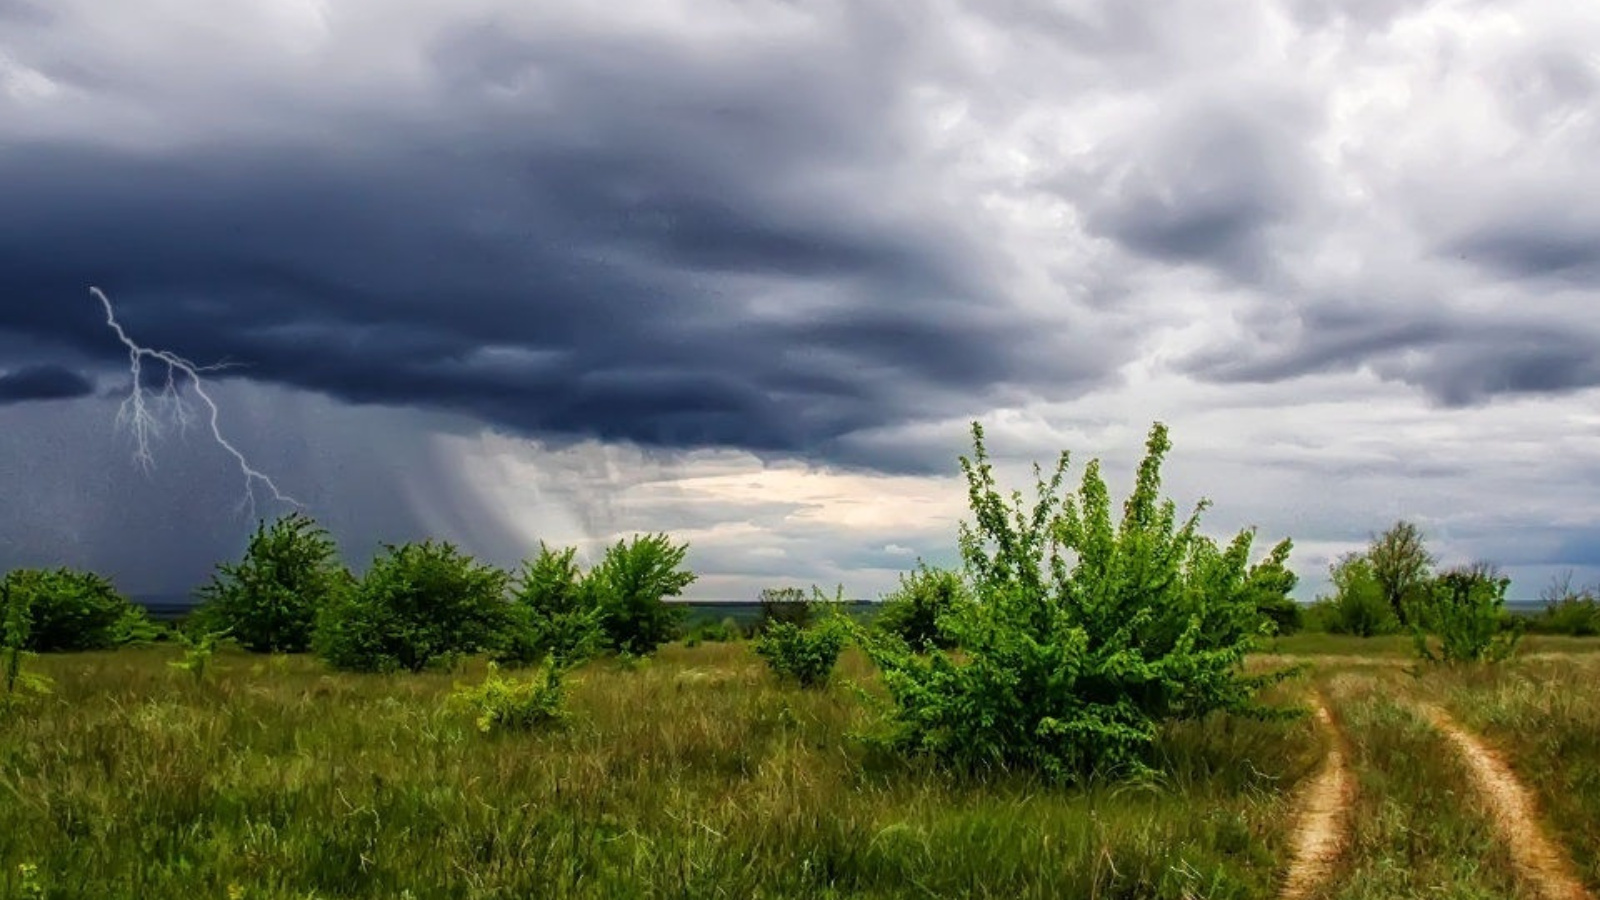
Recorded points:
(1323,828)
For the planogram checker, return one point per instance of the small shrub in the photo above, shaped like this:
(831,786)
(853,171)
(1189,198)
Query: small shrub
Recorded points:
(198,649)
(554,612)
(630,587)
(1358,606)
(268,601)
(75,610)
(1567,610)
(1465,612)
(786,604)
(723,632)
(925,598)
(513,704)
(419,605)
(805,655)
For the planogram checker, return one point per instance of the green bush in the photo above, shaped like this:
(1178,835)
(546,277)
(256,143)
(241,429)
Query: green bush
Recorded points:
(554,612)
(806,654)
(1567,610)
(268,601)
(1270,584)
(723,632)
(925,598)
(786,604)
(509,704)
(630,587)
(1086,634)
(16,622)
(419,604)
(75,610)
(1358,605)
(1464,617)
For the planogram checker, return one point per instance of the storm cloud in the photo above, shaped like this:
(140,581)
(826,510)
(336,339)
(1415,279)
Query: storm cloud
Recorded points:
(756,236)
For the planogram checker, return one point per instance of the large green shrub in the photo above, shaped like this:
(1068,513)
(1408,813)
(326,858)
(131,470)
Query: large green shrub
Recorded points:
(806,654)
(631,584)
(1270,585)
(554,612)
(1087,633)
(418,604)
(268,601)
(788,605)
(72,610)
(1567,610)
(1464,618)
(925,598)
(1358,605)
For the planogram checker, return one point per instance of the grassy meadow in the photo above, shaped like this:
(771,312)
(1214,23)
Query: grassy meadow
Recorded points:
(695,774)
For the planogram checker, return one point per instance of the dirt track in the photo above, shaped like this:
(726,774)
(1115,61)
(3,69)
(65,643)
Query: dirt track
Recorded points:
(1322,830)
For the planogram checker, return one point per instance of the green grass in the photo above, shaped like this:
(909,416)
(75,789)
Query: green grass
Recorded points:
(1543,715)
(690,775)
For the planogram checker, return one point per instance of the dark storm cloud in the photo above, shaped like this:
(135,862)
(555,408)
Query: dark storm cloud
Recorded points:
(43,382)
(657,244)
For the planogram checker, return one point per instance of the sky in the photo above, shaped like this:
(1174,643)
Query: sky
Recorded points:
(745,271)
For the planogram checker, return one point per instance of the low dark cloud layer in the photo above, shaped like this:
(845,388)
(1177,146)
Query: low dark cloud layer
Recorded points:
(42,382)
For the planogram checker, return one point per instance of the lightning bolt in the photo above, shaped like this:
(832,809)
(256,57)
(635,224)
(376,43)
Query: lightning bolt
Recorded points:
(140,412)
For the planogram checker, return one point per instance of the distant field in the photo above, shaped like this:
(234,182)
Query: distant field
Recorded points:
(696,775)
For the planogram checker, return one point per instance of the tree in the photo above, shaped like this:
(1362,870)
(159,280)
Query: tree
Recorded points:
(417,605)
(1357,606)
(1402,567)
(72,610)
(788,605)
(268,601)
(631,585)
(926,596)
(1270,584)
(554,612)
(1465,611)
(1086,633)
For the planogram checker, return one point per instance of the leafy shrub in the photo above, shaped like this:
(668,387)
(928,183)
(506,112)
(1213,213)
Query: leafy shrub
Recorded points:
(1085,635)
(198,649)
(1466,613)
(511,704)
(925,597)
(630,586)
(1358,605)
(723,632)
(554,612)
(75,610)
(268,601)
(1270,584)
(418,604)
(806,654)
(786,604)
(16,623)
(1567,610)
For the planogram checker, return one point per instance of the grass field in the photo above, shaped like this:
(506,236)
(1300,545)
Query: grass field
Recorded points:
(695,775)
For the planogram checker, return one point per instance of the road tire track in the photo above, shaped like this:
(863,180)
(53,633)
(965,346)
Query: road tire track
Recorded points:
(1322,830)
(1538,859)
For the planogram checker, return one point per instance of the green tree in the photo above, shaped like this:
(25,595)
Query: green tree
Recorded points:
(268,601)
(73,610)
(418,604)
(1402,567)
(805,655)
(1464,618)
(1358,606)
(926,597)
(631,584)
(554,612)
(786,604)
(1270,585)
(1087,632)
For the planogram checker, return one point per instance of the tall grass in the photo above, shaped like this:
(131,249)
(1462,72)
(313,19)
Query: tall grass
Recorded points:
(690,775)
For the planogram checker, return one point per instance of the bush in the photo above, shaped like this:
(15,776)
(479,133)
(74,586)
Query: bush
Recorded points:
(723,632)
(418,604)
(630,587)
(915,610)
(554,612)
(514,704)
(805,655)
(75,610)
(1270,584)
(1085,634)
(268,601)
(1465,612)
(1567,610)
(1358,605)
(785,604)
(16,622)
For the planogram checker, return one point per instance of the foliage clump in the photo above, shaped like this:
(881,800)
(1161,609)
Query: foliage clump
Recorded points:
(16,623)
(1567,610)
(1464,618)
(630,586)
(1358,605)
(419,604)
(514,704)
(1086,633)
(915,612)
(788,605)
(70,610)
(268,601)
(554,612)
(1402,567)
(806,655)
